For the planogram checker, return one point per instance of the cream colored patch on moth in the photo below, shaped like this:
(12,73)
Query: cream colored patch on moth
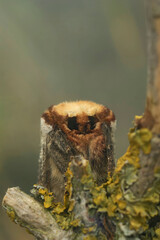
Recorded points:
(72,109)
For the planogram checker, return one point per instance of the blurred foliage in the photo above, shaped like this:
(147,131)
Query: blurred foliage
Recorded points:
(59,50)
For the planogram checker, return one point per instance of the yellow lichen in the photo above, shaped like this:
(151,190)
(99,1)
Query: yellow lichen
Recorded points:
(48,201)
(89,229)
(141,138)
(63,221)
(136,223)
(43,191)
(58,208)
(75,223)
(64,212)
(138,117)
(68,202)
(99,198)
(68,190)
(121,204)
(90,237)
(11,214)
(158,232)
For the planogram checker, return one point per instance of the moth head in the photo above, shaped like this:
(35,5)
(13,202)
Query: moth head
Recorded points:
(80,117)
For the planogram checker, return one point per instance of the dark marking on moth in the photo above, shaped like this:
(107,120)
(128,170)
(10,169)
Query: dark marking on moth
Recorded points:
(92,122)
(72,123)
(87,127)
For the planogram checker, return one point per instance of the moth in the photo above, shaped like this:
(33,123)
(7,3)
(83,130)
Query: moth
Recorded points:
(72,129)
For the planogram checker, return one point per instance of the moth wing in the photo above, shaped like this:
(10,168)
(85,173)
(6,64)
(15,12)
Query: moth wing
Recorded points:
(101,154)
(56,153)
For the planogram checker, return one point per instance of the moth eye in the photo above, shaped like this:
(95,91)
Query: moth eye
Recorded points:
(92,122)
(72,123)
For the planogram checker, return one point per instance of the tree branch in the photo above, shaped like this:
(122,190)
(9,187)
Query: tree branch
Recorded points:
(29,213)
(151,117)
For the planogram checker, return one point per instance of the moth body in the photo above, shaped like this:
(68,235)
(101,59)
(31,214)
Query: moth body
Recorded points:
(73,129)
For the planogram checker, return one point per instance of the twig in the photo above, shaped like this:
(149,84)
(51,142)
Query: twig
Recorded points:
(27,212)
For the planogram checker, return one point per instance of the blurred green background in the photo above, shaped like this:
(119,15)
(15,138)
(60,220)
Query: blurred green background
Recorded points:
(57,50)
